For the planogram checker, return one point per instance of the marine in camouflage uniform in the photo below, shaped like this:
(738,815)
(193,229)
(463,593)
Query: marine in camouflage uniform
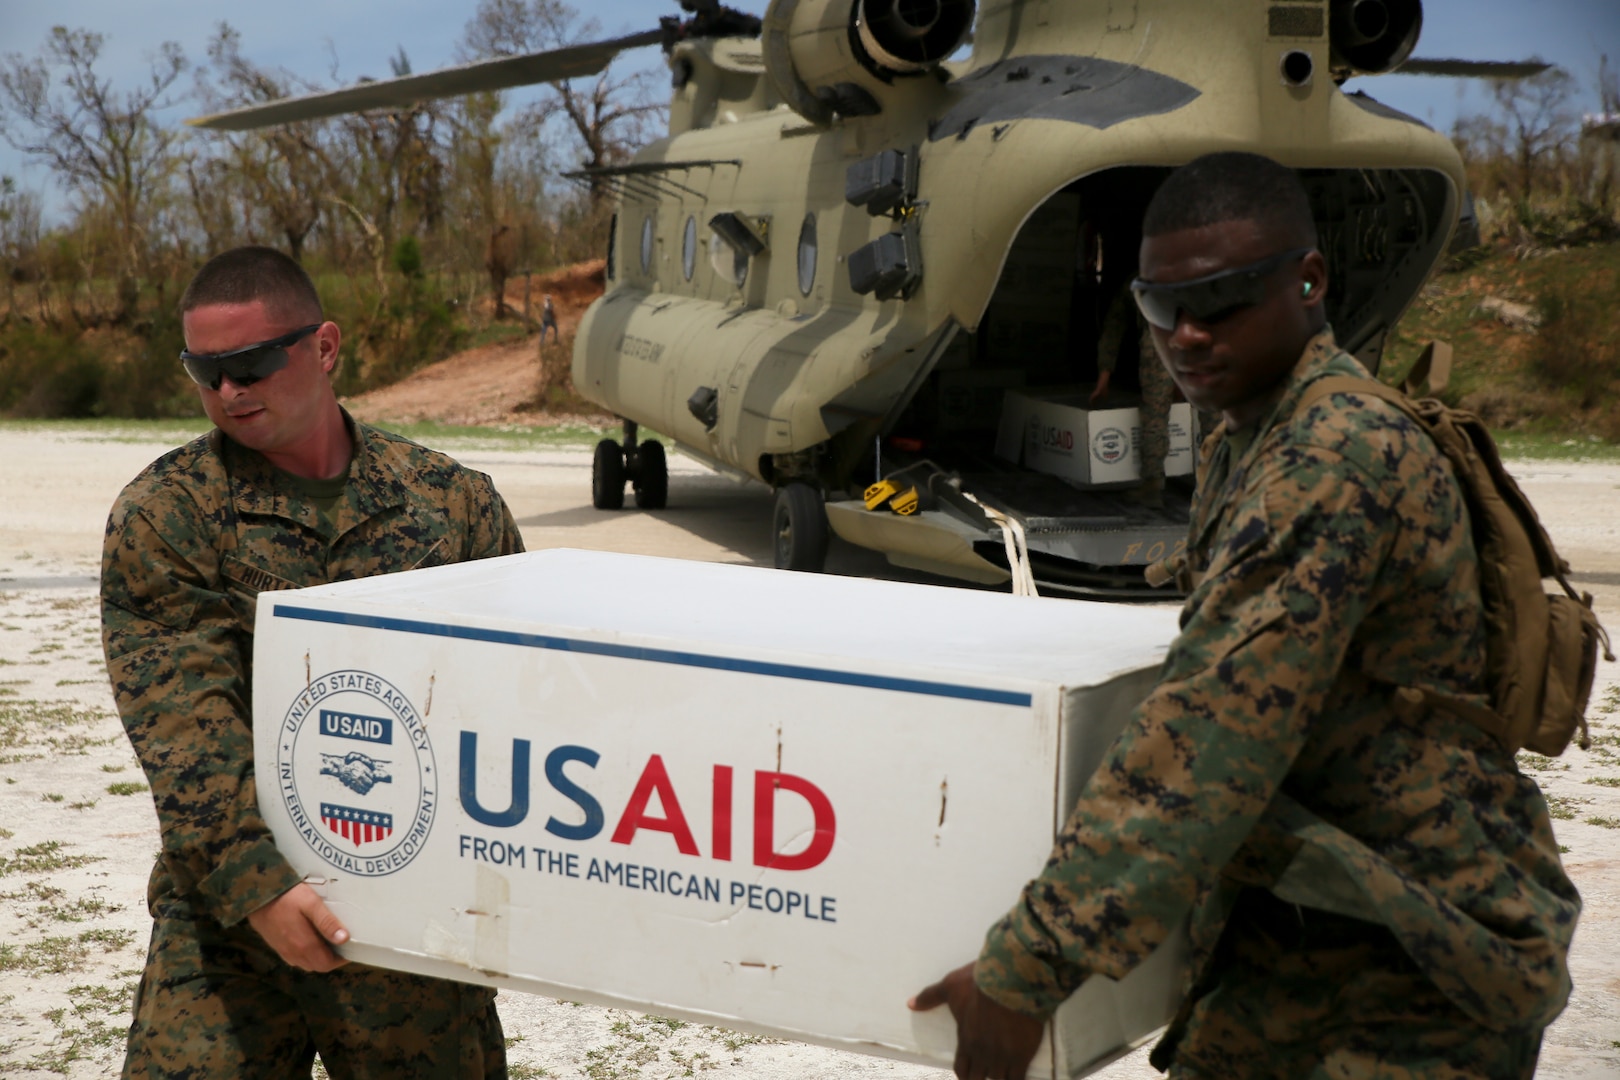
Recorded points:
(1351,865)
(191,543)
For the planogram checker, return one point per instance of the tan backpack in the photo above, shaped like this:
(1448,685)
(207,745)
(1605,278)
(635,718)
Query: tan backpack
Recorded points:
(1541,648)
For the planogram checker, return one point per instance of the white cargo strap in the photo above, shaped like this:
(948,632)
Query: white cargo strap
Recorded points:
(1012,535)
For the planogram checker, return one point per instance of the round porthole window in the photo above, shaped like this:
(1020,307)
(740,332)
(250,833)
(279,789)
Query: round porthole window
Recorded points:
(647,245)
(728,263)
(807,254)
(689,248)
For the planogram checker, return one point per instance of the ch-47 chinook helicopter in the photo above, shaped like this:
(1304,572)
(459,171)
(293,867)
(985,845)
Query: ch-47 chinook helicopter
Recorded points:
(860,237)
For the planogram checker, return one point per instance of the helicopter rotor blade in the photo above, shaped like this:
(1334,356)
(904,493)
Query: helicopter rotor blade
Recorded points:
(1473,69)
(575,61)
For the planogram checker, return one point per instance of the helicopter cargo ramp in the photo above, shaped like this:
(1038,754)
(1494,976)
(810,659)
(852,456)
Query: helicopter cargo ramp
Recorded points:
(773,801)
(1083,544)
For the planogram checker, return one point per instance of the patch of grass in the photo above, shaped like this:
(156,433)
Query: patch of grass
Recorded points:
(452,438)
(167,432)
(1604,822)
(51,796)
(1603,781)
(112,768)
(6,834)
(518,1071)
(1508,374)
(59,955)
(83,1032)
(1563,808)
(1539,763)
(29,721)
(1554,446)
(51,905)
(126,787)
(43,858)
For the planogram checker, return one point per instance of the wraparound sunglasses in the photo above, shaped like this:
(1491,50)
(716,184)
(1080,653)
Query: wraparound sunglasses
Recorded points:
(244,366)
(1209,299)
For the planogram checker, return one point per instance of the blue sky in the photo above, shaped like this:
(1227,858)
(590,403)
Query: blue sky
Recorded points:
(304,36)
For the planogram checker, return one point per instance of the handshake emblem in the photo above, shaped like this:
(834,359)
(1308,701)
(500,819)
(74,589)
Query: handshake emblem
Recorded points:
(356,771)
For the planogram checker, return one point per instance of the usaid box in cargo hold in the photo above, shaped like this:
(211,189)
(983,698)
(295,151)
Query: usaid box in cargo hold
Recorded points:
(1058,432)
(771,801)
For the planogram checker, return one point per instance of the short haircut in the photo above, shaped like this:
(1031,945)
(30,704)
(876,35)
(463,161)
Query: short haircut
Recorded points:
(245,274)
(1232,186)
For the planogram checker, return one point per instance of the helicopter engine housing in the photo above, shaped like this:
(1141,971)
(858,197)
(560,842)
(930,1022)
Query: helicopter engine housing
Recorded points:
(842,57)
(1369,37)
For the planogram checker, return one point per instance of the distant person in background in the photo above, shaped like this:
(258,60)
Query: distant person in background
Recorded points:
(241,978)
(548,320)
(1121,324)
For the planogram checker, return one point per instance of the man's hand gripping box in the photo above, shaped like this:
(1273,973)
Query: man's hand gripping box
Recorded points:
(771,801)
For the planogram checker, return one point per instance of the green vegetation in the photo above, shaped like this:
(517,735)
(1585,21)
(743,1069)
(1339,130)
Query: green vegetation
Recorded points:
(1553,392)
(57,955)
(43,858)
(126,787)
(1605,822)
(411,224)
(448,437)
(1563,807)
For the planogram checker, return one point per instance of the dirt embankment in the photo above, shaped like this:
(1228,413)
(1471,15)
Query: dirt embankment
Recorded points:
(519,380)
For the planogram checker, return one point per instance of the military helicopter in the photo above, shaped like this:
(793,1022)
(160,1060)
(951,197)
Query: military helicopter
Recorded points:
(877,226)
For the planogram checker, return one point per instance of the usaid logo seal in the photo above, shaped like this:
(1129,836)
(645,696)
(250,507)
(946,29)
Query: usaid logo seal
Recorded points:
(356,772)
(1110,445)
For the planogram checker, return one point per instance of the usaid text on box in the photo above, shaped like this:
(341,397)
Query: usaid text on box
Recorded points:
(367,739)
(638,816)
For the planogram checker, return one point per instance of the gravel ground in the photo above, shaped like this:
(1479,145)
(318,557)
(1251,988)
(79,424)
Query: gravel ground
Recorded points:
(78,833)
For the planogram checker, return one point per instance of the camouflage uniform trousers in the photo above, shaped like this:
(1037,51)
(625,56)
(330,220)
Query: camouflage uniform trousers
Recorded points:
(216,1002)
(1158,395)
(1303,994)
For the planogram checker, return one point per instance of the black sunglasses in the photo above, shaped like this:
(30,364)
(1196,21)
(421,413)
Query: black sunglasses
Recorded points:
(244,366)
(1209,299)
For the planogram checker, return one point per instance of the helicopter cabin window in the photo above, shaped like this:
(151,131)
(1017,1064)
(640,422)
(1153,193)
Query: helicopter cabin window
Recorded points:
(689,248)
(728,263)
(647,244)
(807,254)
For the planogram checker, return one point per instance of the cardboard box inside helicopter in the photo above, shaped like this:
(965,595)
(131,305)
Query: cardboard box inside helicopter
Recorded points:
(1015,380)
(751,798)
(1056,431)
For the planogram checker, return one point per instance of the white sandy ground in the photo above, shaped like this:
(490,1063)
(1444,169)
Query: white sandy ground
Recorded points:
(78,833)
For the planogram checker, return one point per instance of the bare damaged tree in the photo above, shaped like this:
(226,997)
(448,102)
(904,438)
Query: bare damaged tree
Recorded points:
(19,239)
(1539,121)
(287,167)
(102,144)
(609,116)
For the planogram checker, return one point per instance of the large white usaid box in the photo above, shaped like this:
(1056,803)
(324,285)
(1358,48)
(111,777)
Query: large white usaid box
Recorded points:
(772,801)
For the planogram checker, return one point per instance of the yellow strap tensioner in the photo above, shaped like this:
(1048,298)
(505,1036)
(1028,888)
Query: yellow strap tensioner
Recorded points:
(887,491)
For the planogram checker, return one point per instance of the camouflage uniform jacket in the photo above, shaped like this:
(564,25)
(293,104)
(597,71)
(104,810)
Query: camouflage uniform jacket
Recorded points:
(1335,565)
(190,544)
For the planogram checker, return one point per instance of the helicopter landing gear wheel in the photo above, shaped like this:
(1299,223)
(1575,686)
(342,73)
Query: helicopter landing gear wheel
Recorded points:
(800,528)
(651,476)
(607,476)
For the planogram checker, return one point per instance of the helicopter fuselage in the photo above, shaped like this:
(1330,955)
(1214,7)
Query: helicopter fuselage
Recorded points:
(731,322)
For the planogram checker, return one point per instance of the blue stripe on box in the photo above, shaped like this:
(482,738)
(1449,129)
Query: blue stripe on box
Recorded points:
(659,656)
